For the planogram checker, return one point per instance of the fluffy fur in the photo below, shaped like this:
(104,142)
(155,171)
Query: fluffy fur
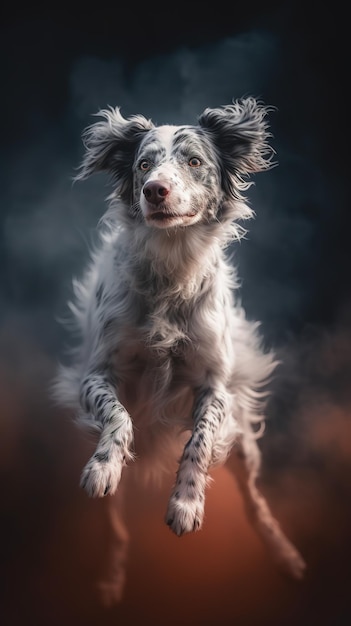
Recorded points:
(165,348)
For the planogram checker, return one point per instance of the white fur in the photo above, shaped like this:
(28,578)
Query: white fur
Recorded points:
(165,347)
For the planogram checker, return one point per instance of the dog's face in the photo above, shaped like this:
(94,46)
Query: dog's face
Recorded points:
(176,176)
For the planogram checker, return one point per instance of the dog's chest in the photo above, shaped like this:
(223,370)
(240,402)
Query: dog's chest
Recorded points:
(155,386)
(158,362)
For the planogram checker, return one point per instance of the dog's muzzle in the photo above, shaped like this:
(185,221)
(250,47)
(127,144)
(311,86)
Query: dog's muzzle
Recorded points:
(156,191)
(158,206)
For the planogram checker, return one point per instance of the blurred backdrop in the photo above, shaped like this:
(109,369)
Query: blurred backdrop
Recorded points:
(169,63)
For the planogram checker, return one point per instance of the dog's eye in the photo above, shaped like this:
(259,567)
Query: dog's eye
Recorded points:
(194,162)
(144,165)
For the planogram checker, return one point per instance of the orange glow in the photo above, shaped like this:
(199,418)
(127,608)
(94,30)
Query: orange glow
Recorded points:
(59,543)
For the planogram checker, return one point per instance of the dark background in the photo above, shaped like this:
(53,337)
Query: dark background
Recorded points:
(169,63)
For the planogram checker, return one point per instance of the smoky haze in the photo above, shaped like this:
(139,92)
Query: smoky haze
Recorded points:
(294,266)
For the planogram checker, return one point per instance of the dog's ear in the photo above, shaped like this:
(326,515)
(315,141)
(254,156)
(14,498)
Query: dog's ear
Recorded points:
(110,145)
(240,134)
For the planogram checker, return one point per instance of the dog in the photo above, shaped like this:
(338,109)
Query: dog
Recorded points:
(166,361)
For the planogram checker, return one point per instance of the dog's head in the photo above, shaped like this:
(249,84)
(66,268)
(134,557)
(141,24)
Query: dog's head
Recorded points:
(171,176)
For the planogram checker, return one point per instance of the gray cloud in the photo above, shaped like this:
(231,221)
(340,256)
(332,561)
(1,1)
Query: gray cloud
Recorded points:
(175,88)
(51,223)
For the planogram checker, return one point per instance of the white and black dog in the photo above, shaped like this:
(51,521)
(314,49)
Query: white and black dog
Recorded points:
(166,351)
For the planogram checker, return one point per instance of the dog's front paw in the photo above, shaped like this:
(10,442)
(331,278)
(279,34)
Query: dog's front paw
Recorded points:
(100,478)
(184,515)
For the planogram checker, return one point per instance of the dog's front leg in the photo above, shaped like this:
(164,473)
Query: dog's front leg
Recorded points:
(186,506)
(102,473)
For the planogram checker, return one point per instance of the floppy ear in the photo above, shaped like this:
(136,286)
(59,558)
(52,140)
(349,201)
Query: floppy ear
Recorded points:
(110,146)
(239,132)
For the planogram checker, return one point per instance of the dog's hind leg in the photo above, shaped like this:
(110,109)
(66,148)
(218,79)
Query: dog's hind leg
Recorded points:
(244,463)
(111,573)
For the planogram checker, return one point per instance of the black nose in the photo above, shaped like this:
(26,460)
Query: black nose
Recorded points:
(155,191)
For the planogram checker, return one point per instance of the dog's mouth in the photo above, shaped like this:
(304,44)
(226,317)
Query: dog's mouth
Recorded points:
(162,215)
(167,218)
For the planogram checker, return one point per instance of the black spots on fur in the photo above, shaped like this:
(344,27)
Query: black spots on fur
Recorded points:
(151,148)
(177,495)
(85,393)
(200,437)
(102,457)
(218,403)
(107,490)
(85,381)
(99,401)
(181,136)
(203,394)
(188,443)
(117,442)
(200,450)
(107,383)
(209,181)
(190,482)
(239,131)
(82,400)
(215,413)
(217,407)
(88,391)
(192,142)
(98,398)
